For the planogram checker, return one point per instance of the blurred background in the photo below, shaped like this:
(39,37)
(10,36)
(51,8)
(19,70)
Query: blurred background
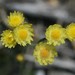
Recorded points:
(40,13)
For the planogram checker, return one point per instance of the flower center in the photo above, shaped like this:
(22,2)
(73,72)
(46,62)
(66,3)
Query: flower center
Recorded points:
(16,20)
(55,34)
(23,34)
(44,53)
(9,39)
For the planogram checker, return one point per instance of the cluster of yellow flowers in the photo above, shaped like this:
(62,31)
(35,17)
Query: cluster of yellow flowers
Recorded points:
(56,34)
(21,32)
(45,51)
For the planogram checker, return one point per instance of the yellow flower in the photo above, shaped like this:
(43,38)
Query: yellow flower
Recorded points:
(20,57)
(55,35)
(44,53)
(7,39)
(23,34)
(70,31)
(15,19)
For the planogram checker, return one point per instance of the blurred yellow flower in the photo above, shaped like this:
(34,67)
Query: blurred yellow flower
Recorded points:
(20,57)
(23,34)
(44,53)
(55,34)
(70,31)
(7,39)
(15,19)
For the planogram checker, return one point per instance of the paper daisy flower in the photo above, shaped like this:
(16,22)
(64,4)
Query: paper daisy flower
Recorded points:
(15,19)
(20,57)
(23,34)
(70,31)
(44,53)
(7,39)
(55,34)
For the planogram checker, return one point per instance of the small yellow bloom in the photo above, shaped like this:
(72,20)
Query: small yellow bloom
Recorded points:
(8,39)
(55,34)
(20,57)
(70,31)
(15,19)
(44,53)
(23,34)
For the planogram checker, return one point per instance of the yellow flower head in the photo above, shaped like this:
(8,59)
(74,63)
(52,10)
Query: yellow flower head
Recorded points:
(23,34)
(15,19)
(70,32)
(20,57)
(7,39)
(55,34)
(44,53)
